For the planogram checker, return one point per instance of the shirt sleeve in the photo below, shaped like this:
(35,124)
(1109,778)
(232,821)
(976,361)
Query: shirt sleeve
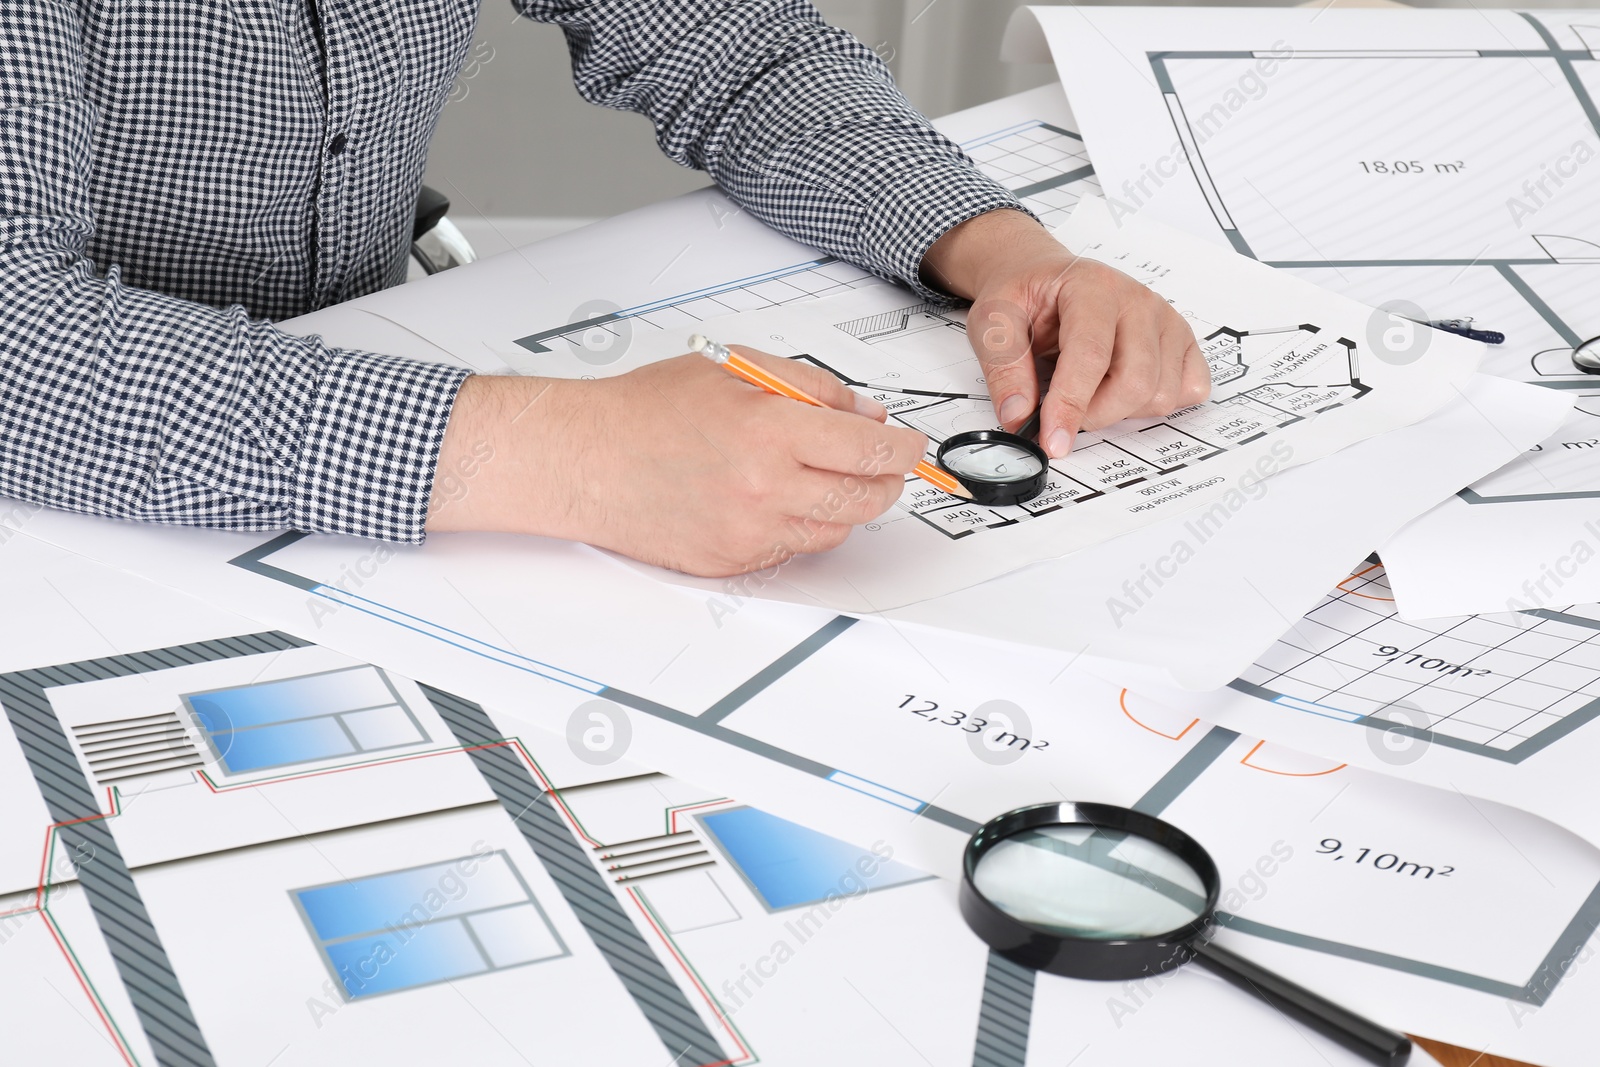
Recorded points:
(122,402)
(796,120)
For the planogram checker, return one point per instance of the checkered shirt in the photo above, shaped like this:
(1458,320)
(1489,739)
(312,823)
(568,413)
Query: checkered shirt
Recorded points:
(176,174)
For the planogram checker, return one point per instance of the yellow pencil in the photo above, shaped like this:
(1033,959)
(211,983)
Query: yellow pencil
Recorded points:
(738,366)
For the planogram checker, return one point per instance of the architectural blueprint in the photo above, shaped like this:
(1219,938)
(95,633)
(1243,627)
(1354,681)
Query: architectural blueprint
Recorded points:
(1458,182)
(1501,706)
(1289,386)
(510,766)
(531,895)
(712,259)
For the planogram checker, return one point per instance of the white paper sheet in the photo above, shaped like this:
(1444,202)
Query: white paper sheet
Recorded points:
(714,911)
(1438,163)
(810,723)
(1501,706)
(1134,600)
(486,305)
(1191,599)
(1514,563)
(1289,387)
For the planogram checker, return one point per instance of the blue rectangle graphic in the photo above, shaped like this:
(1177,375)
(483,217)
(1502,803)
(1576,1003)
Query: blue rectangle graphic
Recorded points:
(304,719)
(789,865)
(433,923)
(290,698)
(401,959)
(288,742)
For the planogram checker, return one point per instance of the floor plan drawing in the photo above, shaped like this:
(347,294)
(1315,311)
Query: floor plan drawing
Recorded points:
(1500,686)
(1500,705)
(1543,239)
(1242,408)
(505,867)
(1293,374)
(415,830)
(753,720)
(668,910)
(1458,184)
(926,374)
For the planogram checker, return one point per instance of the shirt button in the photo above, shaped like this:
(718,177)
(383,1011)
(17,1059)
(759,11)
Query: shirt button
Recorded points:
(336,145)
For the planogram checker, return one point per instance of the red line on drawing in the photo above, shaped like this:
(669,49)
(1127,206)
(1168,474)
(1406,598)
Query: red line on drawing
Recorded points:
(1364,596)
(116,1039)
(1286,774)
(672,826)
(49,922)
(710,1003)
(1122,699)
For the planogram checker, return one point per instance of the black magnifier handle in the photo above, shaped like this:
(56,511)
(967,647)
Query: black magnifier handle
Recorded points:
(1360,1035)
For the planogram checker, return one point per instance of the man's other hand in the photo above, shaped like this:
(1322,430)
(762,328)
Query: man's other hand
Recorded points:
(1111,348)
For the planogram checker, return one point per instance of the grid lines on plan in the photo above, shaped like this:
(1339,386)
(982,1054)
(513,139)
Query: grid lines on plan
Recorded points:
(1503,685)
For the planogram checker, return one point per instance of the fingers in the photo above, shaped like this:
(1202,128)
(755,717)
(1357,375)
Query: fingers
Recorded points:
(816,381)
(847,471)
(1195,383)
(850,500)
(1131,384)
(1088,335)
(820,512)
(1125,353)
(845,444)
(1001,333)
(1171,352)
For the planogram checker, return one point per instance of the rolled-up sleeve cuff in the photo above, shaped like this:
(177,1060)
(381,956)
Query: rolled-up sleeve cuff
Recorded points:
(371,443)
(901,225)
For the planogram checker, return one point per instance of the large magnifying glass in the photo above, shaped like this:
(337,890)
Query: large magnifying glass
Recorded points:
(1586,357)
(1097,891)
(998,467)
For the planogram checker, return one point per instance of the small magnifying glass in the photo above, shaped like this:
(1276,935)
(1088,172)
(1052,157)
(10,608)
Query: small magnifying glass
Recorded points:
(997,467)
(1101,892)
(1586,357)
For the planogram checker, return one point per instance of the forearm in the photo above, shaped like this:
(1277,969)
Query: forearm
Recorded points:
(498,467)
(125,403)
(878,191)
(964,256)
(797,120)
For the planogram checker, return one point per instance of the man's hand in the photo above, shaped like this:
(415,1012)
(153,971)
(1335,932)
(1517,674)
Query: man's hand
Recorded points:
(677,463)
(1117,349)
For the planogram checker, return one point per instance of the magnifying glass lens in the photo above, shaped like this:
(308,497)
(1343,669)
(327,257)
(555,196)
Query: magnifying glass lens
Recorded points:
(1082,882)
(988,462)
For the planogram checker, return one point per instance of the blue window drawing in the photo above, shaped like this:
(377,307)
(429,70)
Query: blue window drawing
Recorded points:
(790,866)
(428,924)
(299,720)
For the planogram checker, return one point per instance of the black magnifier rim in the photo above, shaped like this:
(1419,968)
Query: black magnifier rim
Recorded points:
(1076,957)
(1590,351)
(998,493)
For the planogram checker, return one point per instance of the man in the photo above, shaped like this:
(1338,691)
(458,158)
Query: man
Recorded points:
(175,173)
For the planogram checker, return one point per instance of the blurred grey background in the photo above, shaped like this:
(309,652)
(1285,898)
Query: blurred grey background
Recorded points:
(522,156)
